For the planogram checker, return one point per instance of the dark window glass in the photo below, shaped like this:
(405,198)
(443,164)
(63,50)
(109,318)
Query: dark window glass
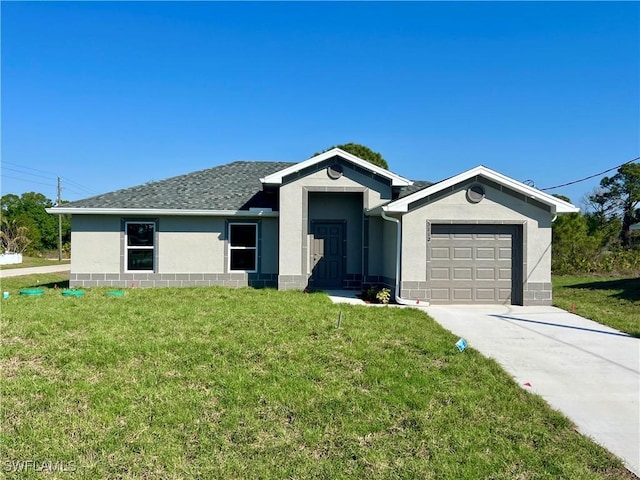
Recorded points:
(242,235)
(243,259)
(140,259)
(140,234)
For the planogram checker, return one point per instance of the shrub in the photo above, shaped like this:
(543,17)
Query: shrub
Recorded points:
(383,295)
(375,294)
(13,237)
(369,295)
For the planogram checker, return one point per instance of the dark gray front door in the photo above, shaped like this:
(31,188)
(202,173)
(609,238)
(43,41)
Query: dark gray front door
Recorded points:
(327,254)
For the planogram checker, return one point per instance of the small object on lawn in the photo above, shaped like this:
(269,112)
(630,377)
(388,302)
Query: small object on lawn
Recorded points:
(527,384)
(5,295)
(339,319)
(32,292)
(461,344)
(72,293)
(115,293)
(573,308)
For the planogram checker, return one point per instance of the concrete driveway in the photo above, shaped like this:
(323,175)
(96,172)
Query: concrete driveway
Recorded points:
(589,372)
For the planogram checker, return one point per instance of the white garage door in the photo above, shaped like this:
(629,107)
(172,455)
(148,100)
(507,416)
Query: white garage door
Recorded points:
(474,264)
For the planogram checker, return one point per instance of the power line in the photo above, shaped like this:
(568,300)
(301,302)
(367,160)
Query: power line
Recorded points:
(79,186)
(29,168)
(68,189)
(49,175)
(26,173)
(590,176)
(28,181)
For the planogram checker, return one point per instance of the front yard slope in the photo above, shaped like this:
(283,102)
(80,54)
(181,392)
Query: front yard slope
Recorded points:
(220,383)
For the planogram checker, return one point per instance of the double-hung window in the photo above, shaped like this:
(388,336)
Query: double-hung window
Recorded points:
(140,246)
(243,247)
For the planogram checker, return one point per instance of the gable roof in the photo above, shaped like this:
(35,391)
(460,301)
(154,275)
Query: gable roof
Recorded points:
(277,177)
(557,206)
(227,188)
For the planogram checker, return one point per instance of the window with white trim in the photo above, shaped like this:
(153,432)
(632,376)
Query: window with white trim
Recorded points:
(243,247)
(140,242)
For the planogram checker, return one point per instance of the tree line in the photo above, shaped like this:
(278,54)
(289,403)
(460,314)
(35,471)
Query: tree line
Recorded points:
(603,239)
(26,226)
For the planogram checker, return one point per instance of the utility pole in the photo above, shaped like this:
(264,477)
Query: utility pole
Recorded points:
(59,223)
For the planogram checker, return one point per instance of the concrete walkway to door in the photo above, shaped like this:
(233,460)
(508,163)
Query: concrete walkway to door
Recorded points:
(587,371)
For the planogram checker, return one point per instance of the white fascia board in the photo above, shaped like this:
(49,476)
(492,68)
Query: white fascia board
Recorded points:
(162,211)
(276,178)
(557,205)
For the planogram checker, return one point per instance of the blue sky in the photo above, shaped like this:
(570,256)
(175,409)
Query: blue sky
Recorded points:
(109,95)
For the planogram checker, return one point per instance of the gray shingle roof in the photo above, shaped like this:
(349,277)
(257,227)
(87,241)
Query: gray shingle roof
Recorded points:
(417,185)
(233,186)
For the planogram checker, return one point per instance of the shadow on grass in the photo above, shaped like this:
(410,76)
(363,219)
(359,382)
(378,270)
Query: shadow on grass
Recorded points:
(62,284)
(629,288)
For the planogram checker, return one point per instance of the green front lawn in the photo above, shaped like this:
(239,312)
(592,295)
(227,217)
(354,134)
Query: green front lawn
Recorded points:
(221,383)
(612,301)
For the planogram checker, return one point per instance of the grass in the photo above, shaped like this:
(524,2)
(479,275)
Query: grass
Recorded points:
(221,383)
(612,301)
(28,262)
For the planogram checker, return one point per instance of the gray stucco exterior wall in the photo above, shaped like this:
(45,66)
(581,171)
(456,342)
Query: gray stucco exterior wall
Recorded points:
(189,251)
(374,249)
(382,254)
